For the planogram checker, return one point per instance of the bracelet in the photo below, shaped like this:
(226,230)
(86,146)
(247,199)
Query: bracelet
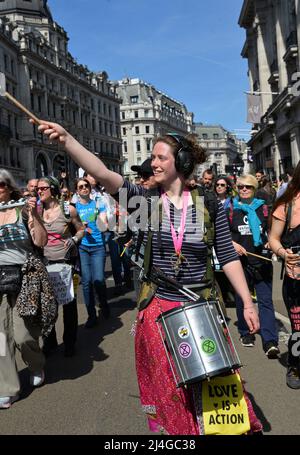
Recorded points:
(280,248)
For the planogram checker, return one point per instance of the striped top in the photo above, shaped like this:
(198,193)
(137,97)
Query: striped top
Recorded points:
(194,249)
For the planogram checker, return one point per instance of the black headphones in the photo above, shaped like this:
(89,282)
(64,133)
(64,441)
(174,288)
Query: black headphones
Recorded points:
(54,186)
(184,163)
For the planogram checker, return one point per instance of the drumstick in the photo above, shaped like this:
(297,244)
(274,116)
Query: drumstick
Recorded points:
(123,252)
(258,256)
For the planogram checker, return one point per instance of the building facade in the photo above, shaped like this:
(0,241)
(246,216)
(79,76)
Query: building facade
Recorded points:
(42,74)
(147,113)
(272,49)
(225,153)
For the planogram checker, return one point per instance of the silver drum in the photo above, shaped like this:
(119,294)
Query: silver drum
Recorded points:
(197,338)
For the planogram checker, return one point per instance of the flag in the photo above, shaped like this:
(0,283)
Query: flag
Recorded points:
(253,109)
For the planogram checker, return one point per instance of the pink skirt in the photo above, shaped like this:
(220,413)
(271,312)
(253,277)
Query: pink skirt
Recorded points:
(170,410)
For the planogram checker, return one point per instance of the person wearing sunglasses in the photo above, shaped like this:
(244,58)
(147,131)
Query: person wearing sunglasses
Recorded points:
(64,231)
(20,231)
(223,189)
(248,220)
(92,252)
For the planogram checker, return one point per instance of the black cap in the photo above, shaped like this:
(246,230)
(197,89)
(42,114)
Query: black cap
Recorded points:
(144,169)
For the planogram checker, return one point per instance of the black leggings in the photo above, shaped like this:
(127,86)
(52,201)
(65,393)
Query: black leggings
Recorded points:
(291,297)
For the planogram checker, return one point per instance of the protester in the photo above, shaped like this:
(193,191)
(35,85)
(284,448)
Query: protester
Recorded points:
(286,180)
(248,220)
(60,250)
(32,187)
(284,239)
(16,242)
(92,252)
(259,176)
(169,410)
(223,190)
(266,192)
(208,179)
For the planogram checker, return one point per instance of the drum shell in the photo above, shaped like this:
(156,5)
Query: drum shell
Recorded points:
(197,340)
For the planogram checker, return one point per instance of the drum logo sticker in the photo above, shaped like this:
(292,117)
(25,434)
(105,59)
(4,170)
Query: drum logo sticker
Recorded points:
(183,332)
(208,346)
(185,350)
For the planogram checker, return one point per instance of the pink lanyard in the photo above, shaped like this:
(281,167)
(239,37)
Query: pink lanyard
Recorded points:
(177,241)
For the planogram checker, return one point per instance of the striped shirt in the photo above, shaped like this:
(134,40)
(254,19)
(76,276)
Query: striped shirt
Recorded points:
(193,249)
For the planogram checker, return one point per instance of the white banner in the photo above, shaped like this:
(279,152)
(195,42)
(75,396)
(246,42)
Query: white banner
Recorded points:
(62,281)
(253,108)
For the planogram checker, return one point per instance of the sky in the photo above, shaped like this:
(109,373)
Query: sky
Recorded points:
(188,49)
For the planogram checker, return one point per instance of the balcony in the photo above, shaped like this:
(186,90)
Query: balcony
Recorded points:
(291,46)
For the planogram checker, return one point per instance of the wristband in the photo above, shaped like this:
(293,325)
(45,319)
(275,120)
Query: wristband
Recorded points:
(280,248)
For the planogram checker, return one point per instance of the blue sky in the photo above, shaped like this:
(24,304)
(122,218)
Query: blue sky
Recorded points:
(188,49)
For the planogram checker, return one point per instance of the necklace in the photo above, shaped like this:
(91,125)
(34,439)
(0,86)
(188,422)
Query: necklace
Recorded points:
(177,259)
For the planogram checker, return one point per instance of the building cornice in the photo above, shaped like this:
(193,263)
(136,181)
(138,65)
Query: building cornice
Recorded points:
(247,14)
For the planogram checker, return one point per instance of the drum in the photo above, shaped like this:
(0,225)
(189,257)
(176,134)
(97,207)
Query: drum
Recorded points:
(197,338)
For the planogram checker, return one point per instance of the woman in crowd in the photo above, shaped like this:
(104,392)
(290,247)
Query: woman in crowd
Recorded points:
(60,249)
(248,220)
(92,251)
(285,219)
(16,241)
(169,410)
(223,189)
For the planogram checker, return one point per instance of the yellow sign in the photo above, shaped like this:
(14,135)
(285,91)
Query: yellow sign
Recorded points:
(225,409)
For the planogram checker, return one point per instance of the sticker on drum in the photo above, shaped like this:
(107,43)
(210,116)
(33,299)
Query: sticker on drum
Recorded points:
(208,346)
(183,332)
(185,350)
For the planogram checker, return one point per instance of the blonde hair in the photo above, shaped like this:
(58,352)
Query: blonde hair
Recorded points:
(247,179)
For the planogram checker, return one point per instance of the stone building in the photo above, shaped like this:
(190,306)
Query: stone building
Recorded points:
(225,152)
(43,75)
(272,49)
(146,113)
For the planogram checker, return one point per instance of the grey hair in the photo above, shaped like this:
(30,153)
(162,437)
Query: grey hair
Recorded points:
(7,178)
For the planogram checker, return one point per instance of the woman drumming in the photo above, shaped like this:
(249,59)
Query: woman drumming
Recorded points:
(169,410)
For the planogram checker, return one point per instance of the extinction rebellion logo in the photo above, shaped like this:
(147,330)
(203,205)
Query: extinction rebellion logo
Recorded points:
(208,346)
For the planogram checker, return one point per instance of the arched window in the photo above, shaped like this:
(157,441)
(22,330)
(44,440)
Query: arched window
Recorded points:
(41,168)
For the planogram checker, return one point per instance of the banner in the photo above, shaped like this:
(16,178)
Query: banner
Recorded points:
(62,281)
(253,108)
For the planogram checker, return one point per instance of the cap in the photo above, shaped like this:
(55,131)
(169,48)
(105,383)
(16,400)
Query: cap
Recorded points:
(144,168)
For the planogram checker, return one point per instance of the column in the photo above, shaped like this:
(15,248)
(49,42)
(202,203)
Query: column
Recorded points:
(295,145)
(276,156)
(263,67)
(281,47)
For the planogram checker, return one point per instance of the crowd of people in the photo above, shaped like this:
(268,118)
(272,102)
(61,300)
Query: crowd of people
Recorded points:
(243,224)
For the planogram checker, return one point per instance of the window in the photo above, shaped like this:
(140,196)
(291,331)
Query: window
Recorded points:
(137,130)
(136,114)
(124,131)
(123,115)
(138,146)
(148,145)
(134,99)
(147,129)
(204,136)
(146,113)
(216,136)
(125,146)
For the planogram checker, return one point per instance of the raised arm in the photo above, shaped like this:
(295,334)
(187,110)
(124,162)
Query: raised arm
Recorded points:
(84,158)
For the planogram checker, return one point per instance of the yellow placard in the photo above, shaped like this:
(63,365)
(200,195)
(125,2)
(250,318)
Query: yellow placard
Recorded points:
(225,409)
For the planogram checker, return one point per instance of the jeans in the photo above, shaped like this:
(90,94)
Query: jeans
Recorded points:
(263,288)
(116,261)
(70,321)
(92,260)
(291,297)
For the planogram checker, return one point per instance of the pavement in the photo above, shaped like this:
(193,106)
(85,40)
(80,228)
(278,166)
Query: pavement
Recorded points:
(96,392)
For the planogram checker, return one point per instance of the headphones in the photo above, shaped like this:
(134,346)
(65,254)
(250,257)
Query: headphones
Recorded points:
(184,162)
(54,186)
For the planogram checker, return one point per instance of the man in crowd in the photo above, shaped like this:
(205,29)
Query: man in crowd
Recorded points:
(208,179)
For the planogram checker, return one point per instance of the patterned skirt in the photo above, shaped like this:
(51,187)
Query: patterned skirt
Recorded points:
(170,410)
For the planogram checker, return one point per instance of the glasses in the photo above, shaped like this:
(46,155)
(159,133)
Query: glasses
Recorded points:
(3,185)
(222,185)
(84,186)
(145,176)
(248,187)
(43,188)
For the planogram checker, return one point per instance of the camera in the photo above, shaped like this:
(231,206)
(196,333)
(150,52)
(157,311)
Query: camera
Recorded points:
(295,249)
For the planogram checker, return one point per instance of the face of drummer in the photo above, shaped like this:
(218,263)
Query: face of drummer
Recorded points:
(4,192)
(163,163)
(83,189)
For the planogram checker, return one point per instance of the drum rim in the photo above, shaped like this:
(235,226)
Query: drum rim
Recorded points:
(204,377)
(186,306)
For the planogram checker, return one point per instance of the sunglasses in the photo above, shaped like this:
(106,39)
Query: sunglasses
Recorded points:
(222,185)
(145,176)
(3,185)
(248,187)
(84,186)
(43,188)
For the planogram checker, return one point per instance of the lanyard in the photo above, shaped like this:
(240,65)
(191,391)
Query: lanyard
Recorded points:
(177,241)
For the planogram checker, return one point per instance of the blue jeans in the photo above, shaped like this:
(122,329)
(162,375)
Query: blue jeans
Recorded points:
(92,260)
(116,261)
(268,328)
